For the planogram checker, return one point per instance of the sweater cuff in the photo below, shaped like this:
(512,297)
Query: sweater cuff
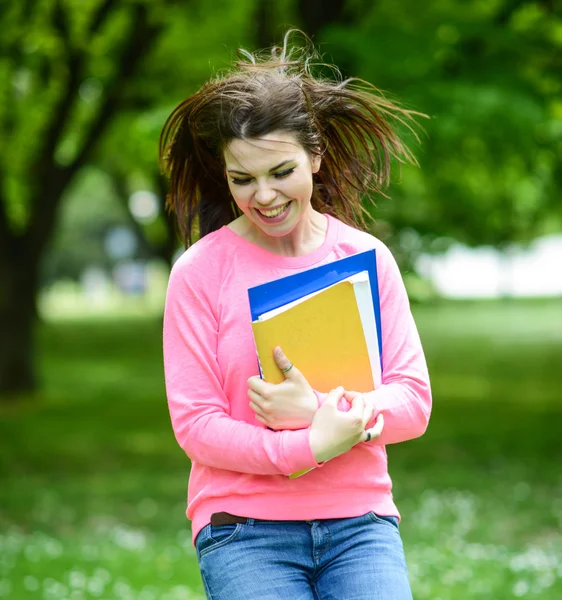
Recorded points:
(297,453)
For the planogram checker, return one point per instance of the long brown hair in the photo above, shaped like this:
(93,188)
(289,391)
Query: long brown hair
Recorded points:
(348,122)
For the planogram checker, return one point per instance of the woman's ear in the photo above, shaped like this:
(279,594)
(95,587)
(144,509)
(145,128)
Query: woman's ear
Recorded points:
(315,161)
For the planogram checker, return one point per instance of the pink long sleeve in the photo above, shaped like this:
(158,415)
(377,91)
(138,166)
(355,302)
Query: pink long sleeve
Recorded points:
(238,465)
(199,408)
(404,397)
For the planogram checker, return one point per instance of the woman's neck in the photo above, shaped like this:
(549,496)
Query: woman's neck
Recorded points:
(307,236)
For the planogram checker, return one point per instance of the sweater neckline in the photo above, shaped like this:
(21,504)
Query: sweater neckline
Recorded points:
(289,262)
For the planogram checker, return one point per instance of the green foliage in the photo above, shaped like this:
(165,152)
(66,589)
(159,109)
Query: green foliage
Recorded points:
(93,487)
(487,74)
(62,71)
(177,66)
(198,41)
(91,211)
(41,42)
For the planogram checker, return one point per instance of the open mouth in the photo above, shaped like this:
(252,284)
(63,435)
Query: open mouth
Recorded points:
(274,213)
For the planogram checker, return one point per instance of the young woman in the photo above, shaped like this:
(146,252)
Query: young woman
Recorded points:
(268,165)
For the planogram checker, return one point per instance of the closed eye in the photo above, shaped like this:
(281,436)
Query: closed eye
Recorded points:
(284,173)
(241,181)
(247,180)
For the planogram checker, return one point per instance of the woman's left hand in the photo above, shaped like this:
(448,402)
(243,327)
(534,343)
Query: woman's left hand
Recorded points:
(291,404)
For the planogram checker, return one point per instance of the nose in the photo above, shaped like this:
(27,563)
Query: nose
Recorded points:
(265,194)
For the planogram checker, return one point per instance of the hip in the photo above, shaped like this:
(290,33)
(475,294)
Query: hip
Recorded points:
(340,558)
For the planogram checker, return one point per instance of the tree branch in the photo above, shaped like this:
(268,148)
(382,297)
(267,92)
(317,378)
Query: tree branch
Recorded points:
(11,48)
(54,179)
(101,14)
(143,33)
(75,66)
(60,22)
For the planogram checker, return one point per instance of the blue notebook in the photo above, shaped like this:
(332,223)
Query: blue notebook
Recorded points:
(274,294)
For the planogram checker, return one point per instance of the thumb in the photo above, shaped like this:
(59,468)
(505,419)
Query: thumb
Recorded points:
(358,403)
(333,397)
(286,366)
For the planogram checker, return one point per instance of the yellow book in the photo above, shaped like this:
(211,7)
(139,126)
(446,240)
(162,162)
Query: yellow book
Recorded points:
(330,336)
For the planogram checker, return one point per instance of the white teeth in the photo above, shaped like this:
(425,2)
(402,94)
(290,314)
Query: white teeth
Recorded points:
(274,213)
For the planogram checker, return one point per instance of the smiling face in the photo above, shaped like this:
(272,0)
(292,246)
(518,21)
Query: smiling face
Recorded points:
(270,179)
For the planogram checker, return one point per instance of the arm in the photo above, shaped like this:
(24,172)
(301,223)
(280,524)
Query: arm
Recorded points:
(404,397)
(199,408)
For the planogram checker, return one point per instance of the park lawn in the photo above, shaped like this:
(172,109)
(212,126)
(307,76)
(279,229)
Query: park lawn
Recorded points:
(93,486)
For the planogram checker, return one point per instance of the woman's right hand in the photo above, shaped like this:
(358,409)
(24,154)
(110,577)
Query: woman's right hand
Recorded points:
(334,432)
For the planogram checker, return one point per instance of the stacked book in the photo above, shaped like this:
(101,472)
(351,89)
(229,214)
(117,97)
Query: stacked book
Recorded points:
(327,322)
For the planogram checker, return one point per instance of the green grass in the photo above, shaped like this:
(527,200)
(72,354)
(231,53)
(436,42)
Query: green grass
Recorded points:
(93,486)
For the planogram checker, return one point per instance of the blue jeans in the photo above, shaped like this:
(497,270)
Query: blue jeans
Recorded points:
(360,558)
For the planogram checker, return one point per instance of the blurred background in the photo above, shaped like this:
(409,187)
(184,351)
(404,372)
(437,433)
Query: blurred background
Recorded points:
(92,484)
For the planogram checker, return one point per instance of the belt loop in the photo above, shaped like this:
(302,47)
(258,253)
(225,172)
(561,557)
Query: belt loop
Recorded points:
(250,522)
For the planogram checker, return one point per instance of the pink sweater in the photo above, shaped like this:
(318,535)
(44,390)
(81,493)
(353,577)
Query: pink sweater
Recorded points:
(238,465)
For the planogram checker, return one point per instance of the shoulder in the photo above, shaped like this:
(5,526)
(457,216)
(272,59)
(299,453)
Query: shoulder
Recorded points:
(352,240)
(204,263)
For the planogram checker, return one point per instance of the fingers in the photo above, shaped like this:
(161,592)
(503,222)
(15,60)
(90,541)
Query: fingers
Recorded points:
(374,432)
(358,404)
(288,369)
(257,384)
(255,402)
(334,397)
(368,412)
(280,359)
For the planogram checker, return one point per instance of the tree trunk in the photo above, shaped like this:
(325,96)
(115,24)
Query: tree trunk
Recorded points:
(20,251)
(18,284)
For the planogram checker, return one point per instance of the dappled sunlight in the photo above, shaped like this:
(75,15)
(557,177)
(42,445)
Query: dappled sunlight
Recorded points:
(93,501)
(449,523)
(97,294)
(91,565)
(93,484)
(452,541)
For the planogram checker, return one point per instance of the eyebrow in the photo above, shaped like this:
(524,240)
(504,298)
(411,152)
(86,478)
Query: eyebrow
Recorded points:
(270,170)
